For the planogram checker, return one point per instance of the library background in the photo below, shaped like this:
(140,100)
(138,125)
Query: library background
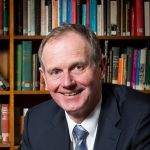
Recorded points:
(123,30)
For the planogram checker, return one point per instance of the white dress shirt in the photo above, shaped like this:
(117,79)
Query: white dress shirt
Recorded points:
(90,124)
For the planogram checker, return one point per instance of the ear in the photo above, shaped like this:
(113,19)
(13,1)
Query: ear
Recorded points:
(43,77)
(102,66)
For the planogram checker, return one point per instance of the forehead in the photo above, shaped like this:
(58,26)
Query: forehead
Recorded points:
(68,41)
(67,48)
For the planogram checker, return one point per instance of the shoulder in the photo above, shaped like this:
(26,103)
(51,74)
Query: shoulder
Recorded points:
(127,97)
(45,111)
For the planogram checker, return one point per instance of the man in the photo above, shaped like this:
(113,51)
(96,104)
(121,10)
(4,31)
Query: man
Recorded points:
(113,117)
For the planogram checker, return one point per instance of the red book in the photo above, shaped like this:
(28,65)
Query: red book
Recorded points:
(139,18)
(74,7)
(5,123)
(88,13)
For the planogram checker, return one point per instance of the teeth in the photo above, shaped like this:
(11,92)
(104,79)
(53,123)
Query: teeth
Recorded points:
(70,94)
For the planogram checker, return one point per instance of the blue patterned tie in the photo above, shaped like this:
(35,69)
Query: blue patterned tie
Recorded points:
(80,135)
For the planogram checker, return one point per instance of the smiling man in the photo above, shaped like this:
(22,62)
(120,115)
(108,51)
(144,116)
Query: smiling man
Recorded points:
(113,117)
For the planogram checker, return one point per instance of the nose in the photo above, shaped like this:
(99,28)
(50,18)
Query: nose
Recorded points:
(68,81)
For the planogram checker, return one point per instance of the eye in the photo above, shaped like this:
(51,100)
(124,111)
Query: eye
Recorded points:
(78,68)
(55,73)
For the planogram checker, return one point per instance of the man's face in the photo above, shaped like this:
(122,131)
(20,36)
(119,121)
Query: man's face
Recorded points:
(71,75)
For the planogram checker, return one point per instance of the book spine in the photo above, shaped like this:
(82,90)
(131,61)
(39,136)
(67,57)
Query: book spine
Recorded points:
(93,15)
(88,13)
(69,10)
(137,69)
(60,11)
(56,13)
(147,17)
(49,15)
(32,19)
(132,21)
(118,17)
(99,18)
(124,77)
(142,69)
(120,71)
(1,17)
(46,18)
(5,17)
(129,65)
(25,17)
(18,69)
(38,17)
(74,11)
(147,75)
(139,18)
(108,17)
(64,11)
(27,65)
(113,17)
(84,14)
(5,123)
(115,65)
(36,77)
(79,12)
(43,18)
(133,81)
(20,17)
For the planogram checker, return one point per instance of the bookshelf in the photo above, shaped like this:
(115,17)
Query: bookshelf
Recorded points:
(29,98)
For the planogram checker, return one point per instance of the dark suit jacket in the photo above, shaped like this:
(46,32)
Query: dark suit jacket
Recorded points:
(124,123)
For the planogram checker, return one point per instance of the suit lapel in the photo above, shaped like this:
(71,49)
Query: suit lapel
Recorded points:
(59,132)
(107,132)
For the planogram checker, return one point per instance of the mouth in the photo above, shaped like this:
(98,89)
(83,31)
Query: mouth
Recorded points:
(72,93)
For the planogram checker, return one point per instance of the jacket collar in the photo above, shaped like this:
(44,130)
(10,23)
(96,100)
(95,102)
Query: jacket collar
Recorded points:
(108,133)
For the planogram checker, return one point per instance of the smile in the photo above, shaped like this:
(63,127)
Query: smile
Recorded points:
(72,93)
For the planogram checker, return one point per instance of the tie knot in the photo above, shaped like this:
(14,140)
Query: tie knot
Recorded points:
(80,133)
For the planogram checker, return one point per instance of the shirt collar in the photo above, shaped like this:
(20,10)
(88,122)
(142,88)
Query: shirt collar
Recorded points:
(90,123)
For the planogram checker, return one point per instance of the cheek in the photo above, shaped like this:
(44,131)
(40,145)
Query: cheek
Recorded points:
(51,84)
(86,80)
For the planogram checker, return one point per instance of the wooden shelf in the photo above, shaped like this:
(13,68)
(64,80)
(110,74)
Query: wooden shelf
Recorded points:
(4,145)
(4,37)
(23,37)
(123,37)
(30,92)
(4,92)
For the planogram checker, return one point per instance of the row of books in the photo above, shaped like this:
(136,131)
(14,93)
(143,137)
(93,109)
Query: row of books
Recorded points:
(4,17)
(19,114)
(104,17)
(27,76)
(129,66)
(4,123)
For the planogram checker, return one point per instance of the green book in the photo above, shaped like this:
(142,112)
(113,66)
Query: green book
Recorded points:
(18,67)
(5,16)
(27,65)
